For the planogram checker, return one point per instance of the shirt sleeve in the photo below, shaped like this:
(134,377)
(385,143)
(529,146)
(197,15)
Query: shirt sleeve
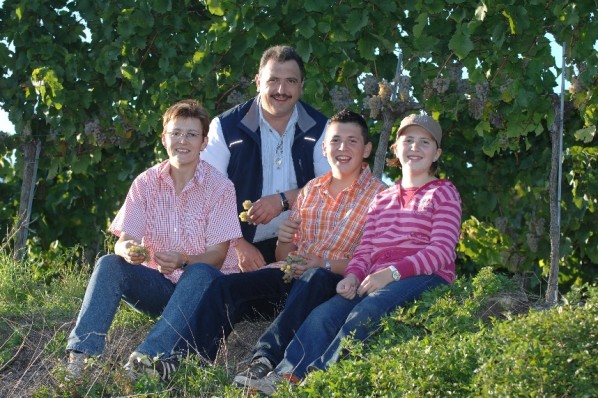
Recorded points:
(132,215)
(223,221)
(321,165)
(295,213)
(216,153)
(359,265)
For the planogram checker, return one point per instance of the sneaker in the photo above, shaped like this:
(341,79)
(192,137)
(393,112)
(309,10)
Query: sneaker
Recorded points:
(142,364)
(257,369)
(266,385)
(76,364)
(269,384)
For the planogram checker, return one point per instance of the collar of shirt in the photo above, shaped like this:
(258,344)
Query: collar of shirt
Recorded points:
(164,173)
(358,183)
(289,130)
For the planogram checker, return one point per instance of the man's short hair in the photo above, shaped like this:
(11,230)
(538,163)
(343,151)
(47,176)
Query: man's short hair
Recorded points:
(282,54)
(348,116)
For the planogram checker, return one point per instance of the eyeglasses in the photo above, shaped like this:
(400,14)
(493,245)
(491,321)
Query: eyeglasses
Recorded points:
(178,135)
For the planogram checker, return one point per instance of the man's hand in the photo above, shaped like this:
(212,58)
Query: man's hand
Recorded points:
(347,287)
(168,261)
(375,281)
(250,258)
(265,209)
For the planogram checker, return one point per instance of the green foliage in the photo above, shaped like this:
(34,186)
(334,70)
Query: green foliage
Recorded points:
(445,343)
(548,352)
(90,80)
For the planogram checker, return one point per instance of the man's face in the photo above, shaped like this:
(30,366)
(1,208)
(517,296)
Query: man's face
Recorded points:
(280,86)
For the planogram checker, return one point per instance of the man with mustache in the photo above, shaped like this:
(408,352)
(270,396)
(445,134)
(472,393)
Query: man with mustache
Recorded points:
(270,147)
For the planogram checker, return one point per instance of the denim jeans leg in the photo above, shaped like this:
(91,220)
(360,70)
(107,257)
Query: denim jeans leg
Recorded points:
(173,330)
(112,279)
(315,335)
(231,298)
(365,317)
(313,288)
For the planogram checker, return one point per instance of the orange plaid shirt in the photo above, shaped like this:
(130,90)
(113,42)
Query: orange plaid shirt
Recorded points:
(332,227)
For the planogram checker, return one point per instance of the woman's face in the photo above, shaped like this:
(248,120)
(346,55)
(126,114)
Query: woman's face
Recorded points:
(183,140)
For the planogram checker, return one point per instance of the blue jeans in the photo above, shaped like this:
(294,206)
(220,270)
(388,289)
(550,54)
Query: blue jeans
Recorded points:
(317,344)
(146,290)
(232,298)
(313,288)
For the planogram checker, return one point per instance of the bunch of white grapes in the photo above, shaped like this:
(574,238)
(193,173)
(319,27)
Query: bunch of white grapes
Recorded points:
(243,216)
(139,250)
(289,267)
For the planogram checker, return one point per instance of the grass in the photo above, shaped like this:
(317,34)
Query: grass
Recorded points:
(455,341)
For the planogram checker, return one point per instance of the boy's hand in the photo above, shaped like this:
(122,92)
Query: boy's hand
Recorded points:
(250,258)
(287,230)
(347,287)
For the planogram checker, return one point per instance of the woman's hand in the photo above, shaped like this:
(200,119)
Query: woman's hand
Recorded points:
(126,249)
(168,261)
(347,287)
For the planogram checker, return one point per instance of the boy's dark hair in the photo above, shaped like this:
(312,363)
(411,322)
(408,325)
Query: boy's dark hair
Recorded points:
(188,108)
(282,54)
(348,116)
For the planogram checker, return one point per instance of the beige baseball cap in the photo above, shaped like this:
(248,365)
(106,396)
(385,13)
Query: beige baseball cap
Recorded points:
(424,121)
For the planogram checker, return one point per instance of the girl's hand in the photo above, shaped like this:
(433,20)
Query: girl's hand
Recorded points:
(375,281)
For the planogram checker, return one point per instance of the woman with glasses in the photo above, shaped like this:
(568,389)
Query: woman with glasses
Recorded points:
(176,233)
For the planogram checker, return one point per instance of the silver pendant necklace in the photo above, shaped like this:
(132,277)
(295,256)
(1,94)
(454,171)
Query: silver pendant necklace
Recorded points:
(278,159)
(279,151)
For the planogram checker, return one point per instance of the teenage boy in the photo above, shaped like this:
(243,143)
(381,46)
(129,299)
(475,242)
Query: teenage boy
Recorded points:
(324,228)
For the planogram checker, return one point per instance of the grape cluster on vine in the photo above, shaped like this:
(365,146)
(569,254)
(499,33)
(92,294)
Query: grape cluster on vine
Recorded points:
(235,97)
(370,85)
(441,84)
(478,100)
(404,88)
(340,97)
(497,120)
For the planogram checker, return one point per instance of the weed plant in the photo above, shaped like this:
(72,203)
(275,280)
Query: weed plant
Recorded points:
(482,336)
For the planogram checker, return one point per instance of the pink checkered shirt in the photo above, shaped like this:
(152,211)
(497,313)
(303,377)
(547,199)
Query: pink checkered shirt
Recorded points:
(202,215)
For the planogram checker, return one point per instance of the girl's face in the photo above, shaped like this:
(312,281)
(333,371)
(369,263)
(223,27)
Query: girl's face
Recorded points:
(416,149)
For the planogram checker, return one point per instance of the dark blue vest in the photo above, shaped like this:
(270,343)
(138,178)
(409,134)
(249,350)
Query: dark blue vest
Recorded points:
(241,131)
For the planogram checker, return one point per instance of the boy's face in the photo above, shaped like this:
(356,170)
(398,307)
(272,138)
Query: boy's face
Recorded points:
(345,149)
